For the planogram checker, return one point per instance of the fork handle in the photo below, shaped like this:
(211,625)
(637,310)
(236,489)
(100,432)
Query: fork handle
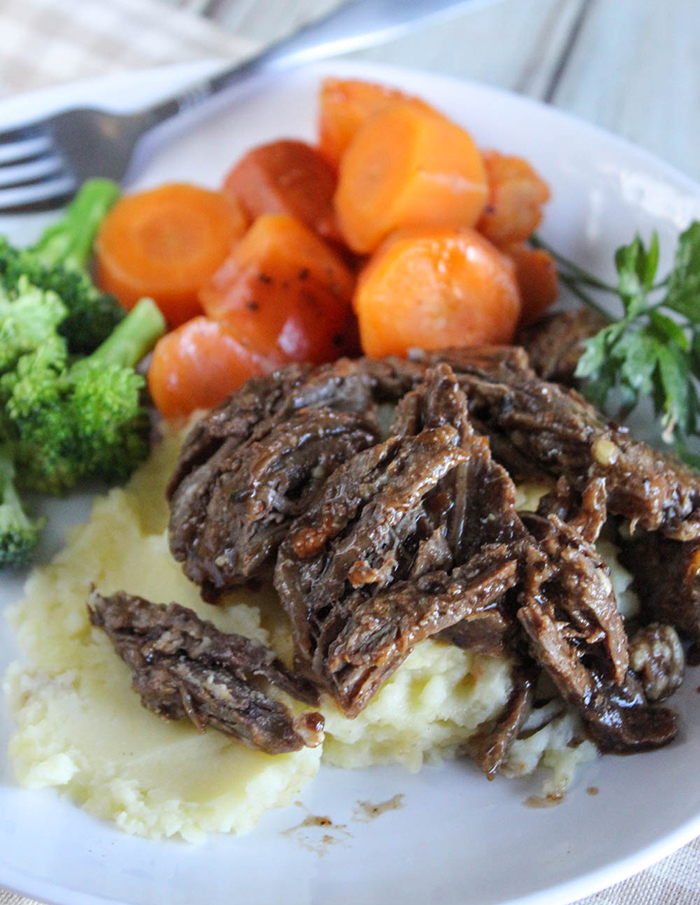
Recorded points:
(359,23)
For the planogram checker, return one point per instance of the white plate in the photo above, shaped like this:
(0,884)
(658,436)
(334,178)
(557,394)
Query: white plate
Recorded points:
(458,840)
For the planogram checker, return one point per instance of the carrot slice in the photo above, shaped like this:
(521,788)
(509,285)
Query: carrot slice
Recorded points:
(166,243)
(536,273)
(286,177)
(516,195)
(437,288)
(286,291)
(344,105)
(407,167)
(197,365)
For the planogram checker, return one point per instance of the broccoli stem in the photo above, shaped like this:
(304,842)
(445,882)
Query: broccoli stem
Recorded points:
(19,534)
(69,241)
(134,337)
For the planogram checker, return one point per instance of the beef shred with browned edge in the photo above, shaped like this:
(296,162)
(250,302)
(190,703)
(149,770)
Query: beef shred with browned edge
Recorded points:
(381,543)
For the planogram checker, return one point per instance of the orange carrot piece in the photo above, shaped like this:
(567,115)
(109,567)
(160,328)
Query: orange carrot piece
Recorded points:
(407,167)
(286,291)
(436,288)
(516,195)
(197,365)
(536,273)
(166,243)
(344,105)
(286,177)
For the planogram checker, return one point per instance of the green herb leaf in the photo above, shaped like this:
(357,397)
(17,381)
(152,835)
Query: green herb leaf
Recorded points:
(673,370)
(652,262)
(683,293)
(653,350)
(639,356)
(670,329)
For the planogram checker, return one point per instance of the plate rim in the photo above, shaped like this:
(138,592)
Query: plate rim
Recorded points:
(351,66)
(23,883)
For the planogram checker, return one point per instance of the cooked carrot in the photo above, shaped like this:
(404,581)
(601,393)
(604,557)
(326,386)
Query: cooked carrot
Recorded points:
(165,244)
(286,291)
(407,167)
(344,105)
(197,365)
(516,195)
(536,273)
(241,219)
(436,288)
(286,177)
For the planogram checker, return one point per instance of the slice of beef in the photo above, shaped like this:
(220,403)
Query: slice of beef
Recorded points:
(564,434)
(229,515)
(490,749)
(483,493)
(666,579)
(237,418)
(183,667)
(576,635)
(484,630)
(484,496)
(556,342)
(586,512)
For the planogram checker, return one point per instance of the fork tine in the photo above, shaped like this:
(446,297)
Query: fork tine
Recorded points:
(24,148)
(27,130)
(45,194)
(31,171)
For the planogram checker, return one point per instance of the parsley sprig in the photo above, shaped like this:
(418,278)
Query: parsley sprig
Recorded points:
(652,349)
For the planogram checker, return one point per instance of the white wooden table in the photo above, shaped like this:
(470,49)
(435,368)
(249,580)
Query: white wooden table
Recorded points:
(632,66)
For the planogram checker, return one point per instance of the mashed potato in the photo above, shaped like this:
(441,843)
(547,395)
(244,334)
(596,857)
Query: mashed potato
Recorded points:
(79,725)
(425,711)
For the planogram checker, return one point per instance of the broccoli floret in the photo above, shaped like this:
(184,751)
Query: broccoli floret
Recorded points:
(27,322)
(85,419)
(19,534)
(58,262)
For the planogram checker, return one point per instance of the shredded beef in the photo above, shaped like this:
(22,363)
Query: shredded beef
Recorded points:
(490,749)
(585,512)
(565,435)
(237,418)
(666,579)
(576,634)
(183,667)
(556,342)
(229,516)
(404,540)
(380,545)
(363,531)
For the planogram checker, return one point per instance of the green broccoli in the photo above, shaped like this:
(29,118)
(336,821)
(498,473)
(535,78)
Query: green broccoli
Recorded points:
(27,321)
(58,261)
(70,421)
(19,534)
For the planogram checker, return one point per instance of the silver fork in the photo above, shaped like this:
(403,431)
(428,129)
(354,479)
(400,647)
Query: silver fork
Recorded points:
(42,163)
